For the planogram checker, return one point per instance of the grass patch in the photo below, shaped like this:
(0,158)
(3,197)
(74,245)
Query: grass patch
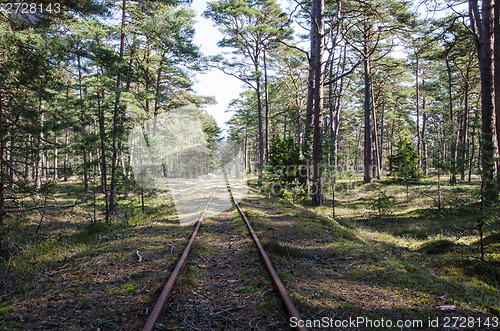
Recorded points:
(191,276)
(90,233)
(437,246)
(252,288)
(5,310)
(127,288)
(274,247)
(417,251)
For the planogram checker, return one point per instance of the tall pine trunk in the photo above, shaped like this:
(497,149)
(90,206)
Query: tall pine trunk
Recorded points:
(376,153)
(11,161)
(55,158)
(417,104)
(453,145)
(424,144)
(117,125)
(84,145)
(3,176)
(261,129)
(482,24)
(102,136)
(317,52)
(39,150)
(463,131)
(497,77)
(368,161)
(381,149)
(66,166)
(266,91)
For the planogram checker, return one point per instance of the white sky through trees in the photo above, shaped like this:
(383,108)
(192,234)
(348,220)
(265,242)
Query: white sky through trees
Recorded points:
(226,88)
(214,83)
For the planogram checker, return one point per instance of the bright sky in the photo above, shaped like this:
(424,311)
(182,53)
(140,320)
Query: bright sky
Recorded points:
(214,83)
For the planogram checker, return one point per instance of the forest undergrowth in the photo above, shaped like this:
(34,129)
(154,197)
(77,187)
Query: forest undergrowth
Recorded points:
(408,258)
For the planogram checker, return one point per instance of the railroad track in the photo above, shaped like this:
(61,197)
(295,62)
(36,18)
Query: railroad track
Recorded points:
(159,308)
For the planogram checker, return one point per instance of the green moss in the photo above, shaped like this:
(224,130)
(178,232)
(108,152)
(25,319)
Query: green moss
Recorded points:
(6,303)
(5,310)
(263,305)
(127,288)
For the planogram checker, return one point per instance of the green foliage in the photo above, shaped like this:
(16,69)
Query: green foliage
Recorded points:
(404,164)
(294,191)
(282,171)
(248,21)
(284,159)
(382,203)
(90,232)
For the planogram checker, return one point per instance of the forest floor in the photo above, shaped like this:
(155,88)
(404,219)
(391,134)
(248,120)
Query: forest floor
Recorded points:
(412,261)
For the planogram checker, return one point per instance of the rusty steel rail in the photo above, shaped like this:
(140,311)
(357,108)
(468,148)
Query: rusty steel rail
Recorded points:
(167,290)
(285,298)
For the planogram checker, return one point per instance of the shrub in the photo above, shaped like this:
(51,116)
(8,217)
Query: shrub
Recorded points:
(284,159)
(293,191)
(382,203)
(282,172)
(404,164)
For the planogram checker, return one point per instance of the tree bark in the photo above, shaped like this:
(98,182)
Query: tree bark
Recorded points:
(267,106)
(39,158)
(55,158)
(463,131)
(376,153)
(245,146)
(381,150)
(473,146)
(306,141)
(424,144)
(102,135)
(3,131)
(157,96)
(261,129)
(417,92)
(483,26)
(27,160)
(84,145)
(497,74)
(11,160)
(317,52)
(299,127)
(356,155)
(496,59)
(116,118)
(453,147)
(309,106)
(147,83)
(368,161)
(66,155)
